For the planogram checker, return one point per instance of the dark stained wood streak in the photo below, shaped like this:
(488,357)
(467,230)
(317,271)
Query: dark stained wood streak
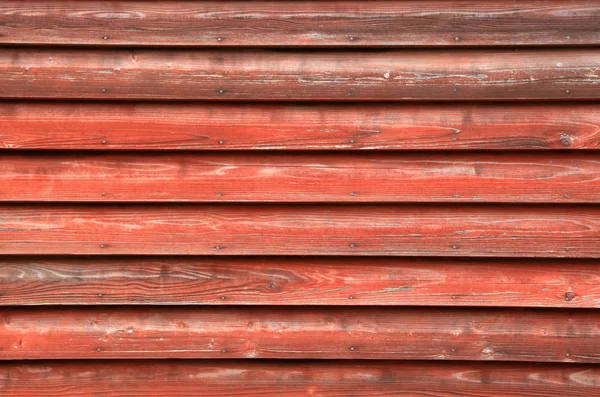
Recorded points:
(228,378)
(185,126)
(297,332)
(230,75)
(299,281)
(301,23)
(364,177)
(387,230)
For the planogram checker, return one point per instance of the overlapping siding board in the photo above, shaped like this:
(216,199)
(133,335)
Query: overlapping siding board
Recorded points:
(300,198)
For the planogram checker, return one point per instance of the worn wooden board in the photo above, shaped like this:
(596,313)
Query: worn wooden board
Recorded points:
(300,23)
(365,177)
(187,378)
(296,332)
(387,230)
(210,126)
(299,281)
(231,75)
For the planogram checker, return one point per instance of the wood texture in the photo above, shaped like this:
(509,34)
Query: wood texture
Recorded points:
(527,178)
(300,23)
(295,332)
(414,230)
(221,378)
(184,126)
(300,75)
(299,281)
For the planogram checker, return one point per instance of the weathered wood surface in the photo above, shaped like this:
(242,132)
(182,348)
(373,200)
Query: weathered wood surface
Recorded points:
(301,23)
(226,75)
(364,177)
(187,378)
(387,230)
(300,281)
(184,126)
(296,332)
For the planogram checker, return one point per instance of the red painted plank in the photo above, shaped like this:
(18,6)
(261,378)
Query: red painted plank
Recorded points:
(295,332)
(185,378)
(388,230)
(184,126)
(300,281)
(301,178)
(300,75)
(301,23)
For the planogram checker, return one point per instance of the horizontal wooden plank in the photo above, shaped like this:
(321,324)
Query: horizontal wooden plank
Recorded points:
(299,281)
(223,378)
(184,126)
(415,230)
(300,75)
(296,332)
(301,178)
(301,23)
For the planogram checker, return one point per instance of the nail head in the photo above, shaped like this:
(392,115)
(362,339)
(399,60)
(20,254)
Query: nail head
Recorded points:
(569,296)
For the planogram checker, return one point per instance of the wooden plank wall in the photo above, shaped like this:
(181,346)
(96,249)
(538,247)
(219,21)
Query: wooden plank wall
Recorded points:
(300,198)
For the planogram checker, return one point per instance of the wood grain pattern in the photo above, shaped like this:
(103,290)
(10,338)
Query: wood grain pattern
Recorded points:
(184,126)
(299,281)
(414,230)
(187,378)
(296,332)
(364,177)
(300,75)
(301,23)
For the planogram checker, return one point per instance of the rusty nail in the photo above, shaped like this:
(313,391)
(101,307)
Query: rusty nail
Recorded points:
(569,295)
